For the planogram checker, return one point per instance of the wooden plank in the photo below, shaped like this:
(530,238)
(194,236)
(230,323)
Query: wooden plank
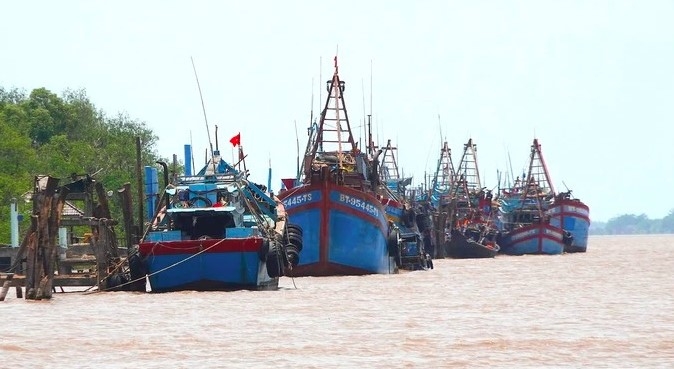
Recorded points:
(85,280)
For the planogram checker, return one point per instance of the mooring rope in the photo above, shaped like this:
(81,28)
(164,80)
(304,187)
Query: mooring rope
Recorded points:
(162,269)
(255,211)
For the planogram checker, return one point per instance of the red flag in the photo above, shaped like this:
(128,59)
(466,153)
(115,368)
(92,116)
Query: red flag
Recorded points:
(236,140)
(288,183)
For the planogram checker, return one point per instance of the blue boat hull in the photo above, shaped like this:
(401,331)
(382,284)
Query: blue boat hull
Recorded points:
(533,239)
(210,271)
(344,231)
(573,217)
(206,265)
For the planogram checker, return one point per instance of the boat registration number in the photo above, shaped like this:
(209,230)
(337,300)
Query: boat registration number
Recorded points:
(299,200)
(359,204)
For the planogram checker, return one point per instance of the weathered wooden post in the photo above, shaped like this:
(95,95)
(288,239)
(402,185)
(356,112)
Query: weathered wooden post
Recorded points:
(104,208)
(50,253)
(139,175)
(98,243)
(38,255)
(439,220)
(127,215)
(5,286)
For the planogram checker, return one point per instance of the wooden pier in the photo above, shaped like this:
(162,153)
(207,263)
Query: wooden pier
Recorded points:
(42,266)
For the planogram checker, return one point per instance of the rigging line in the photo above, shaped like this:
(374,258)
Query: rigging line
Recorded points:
(190,160)
(203,108)
(255,212)
(320,83)
(362,85)
(297,143)
(370,86)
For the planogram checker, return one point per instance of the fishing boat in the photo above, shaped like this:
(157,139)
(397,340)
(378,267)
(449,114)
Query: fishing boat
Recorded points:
(410,237)
(345,230)
(438,197)
(473,234)
(214,230)
(525,227)
(573,216)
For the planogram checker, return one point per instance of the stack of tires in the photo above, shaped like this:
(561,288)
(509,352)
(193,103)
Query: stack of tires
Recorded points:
(282,254)
(292,239)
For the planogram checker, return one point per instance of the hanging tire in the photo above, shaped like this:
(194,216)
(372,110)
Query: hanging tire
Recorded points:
(293,236)
(392,243)
(292,255)
(274,264)
(263,250)
(294,229)
(295,241)
(275,261)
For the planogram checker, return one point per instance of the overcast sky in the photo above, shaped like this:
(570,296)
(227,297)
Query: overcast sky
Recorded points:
(592,80)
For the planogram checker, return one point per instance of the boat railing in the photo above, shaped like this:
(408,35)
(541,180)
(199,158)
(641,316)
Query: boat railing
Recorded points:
(212,178)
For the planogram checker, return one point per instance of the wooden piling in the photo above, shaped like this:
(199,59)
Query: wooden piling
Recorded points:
(40,245)
(5,286)
(51,248)
(440,221)
(127,215)
(102,198)
(39,256)
(139,175)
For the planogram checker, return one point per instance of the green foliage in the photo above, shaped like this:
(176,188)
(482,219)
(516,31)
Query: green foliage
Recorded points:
(635,224)
(43,133)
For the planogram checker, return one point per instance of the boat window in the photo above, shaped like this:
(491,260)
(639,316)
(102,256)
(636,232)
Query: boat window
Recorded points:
(197,226)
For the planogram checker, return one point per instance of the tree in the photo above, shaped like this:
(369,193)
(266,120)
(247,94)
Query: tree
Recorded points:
(43,133)
(668,223)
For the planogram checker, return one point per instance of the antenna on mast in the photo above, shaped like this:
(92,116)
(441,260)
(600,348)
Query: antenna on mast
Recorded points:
(440,126)
(311,114)
(297,140)
(203,108)
(370,142)
(362,85)
(370,86)
(512,173)
(216,138)
(191,164)
(320,81)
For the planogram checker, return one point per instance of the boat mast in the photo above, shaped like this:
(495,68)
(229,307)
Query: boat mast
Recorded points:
(444,174)
(388,169)
(537,184)
(334,128)
(538,172)
(468,167)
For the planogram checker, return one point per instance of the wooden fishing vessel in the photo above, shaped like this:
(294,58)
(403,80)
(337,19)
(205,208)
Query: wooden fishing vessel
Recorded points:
(345,230)
(214,230)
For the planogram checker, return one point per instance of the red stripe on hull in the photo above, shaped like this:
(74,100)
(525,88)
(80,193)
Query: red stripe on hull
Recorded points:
(540,238)
(251,244)
(539,235)
(569,214)
(574,203)
(324,267)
